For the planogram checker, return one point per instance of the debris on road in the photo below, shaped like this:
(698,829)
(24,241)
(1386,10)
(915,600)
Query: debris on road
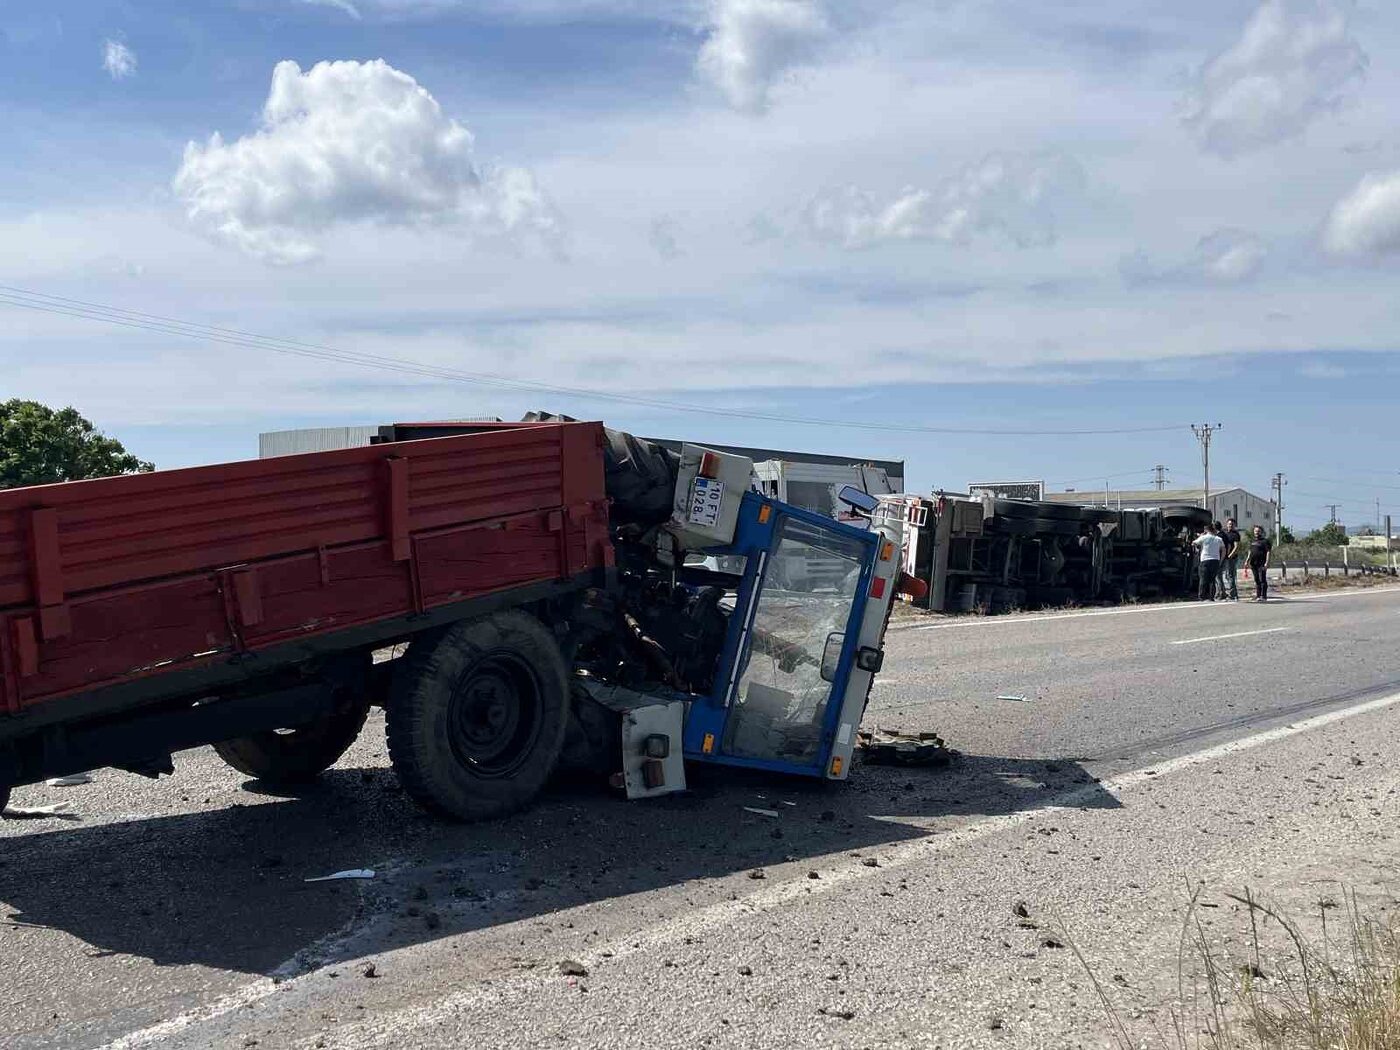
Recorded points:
(871,862)
(883,746)
(72,780)
(348,873)
(53,811)
(573,968)
(762,812)
(746,971)
(758,873)
(1013,697)
(370,970)
(844,1014)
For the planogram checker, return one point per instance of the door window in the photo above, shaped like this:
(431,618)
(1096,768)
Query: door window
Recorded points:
(807,595)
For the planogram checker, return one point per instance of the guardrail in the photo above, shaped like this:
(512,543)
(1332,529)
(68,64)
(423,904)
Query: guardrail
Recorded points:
(1309,567)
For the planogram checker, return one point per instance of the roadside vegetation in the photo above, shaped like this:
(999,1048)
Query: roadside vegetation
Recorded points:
(1332,985)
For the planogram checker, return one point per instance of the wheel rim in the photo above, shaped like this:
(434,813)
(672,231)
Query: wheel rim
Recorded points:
(495,715)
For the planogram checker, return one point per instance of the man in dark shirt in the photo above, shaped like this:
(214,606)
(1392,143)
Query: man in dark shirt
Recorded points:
(1228,559)
(1259,548)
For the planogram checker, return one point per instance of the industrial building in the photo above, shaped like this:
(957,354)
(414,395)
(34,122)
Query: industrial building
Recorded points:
(1247,509)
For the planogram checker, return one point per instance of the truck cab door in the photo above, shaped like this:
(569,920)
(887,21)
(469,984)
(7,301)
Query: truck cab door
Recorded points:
(804,640)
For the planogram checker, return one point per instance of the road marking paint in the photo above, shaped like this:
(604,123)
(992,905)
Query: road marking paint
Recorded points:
(389,1029)
(989,621)
(1237,634)
(1308,598)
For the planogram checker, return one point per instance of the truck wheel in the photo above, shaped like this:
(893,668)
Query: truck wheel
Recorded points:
(477,720)
(290,756)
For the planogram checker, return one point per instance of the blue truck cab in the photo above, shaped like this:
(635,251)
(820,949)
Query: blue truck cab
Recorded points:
(803,642)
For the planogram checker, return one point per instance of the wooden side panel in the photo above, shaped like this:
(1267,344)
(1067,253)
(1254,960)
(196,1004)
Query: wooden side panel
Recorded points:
(457,563)
(118,531)
(365,584)
(169,570)
(155,627)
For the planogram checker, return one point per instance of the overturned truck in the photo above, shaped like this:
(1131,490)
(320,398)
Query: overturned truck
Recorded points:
(514,596)
(991,554)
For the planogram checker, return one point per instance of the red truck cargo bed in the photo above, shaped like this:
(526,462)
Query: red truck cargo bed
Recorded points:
(129,579)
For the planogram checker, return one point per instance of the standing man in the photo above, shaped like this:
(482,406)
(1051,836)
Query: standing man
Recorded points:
(1259,548)
(1210,546)
(1231,540)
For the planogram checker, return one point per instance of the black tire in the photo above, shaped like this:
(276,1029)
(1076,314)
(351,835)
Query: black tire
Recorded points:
(639,475)
(294,756)
(477,717)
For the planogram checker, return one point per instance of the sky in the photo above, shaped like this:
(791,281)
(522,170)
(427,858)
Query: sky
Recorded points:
(993,238)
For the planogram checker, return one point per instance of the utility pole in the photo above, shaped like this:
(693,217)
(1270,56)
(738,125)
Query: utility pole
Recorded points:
(1277,485)
(1161,479)
(1203,432)
(1389,552)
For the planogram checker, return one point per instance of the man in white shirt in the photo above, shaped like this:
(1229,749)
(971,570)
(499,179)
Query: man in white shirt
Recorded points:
(1212,547)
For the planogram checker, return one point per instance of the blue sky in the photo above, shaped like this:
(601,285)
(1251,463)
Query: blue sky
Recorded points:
(980,216)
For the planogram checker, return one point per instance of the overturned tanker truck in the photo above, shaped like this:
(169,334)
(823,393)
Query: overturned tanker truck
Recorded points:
(514,595)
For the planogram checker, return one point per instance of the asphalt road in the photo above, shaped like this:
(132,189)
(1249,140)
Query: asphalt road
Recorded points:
(1234,744)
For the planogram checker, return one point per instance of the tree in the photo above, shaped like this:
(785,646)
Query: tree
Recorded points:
(1333,534)
(40,445)
(1285,535)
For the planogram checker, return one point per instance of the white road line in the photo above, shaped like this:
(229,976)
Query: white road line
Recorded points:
(997,621)
(1308,598)
(391,1027)
(1237,634)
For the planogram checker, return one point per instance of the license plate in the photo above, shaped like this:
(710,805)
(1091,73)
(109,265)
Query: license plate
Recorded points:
(706,495)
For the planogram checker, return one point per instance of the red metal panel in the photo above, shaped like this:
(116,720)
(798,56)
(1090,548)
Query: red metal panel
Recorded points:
(476,559)
(44,557)
(167,570)
(398,508)
(130,633)
(26,647)
(245,589)
(365,585)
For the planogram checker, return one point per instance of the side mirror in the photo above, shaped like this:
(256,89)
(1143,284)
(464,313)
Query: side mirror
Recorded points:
(831,654)
(858,498)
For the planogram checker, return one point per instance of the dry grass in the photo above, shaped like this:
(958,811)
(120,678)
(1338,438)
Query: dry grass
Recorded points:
(1334,990)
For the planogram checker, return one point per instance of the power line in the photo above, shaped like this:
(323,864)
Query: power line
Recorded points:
(77,308)
(1099,477)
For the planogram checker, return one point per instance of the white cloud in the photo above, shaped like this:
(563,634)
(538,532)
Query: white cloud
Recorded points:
(118,60)
(1014,195)
(1224,256)
(340,5)
(1230,255)
(1367,220)
(1294,61)
(351,142)
(753,43)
